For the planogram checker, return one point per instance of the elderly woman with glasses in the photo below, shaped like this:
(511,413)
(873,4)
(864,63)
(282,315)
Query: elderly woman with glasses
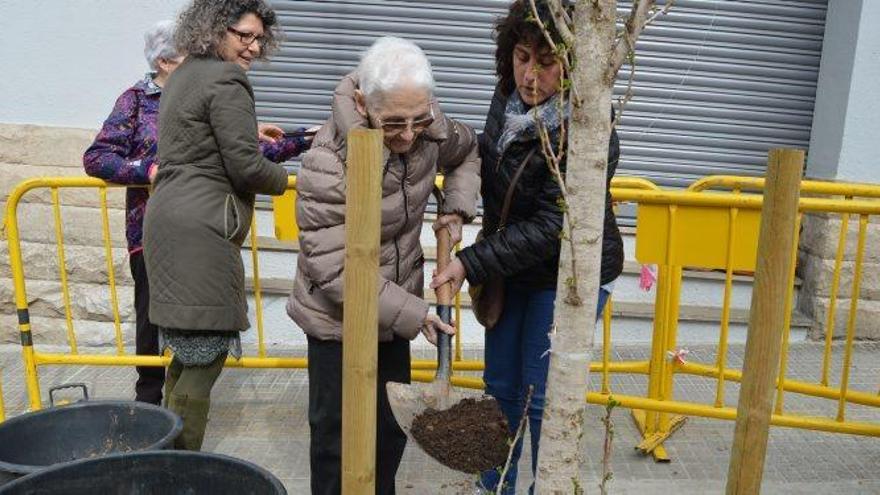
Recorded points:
(124,152)
(211,168)
(391,90)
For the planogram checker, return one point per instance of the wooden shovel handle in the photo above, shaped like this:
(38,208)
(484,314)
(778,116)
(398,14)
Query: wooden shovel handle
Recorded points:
(444,257)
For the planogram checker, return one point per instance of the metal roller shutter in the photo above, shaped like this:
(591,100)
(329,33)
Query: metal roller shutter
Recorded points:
(718,82)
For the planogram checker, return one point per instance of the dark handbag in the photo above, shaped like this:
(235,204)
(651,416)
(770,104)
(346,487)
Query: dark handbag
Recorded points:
(487,299)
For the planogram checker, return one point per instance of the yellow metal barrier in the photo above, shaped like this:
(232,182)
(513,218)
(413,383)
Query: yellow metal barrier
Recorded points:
(811,187)
(719,231)
(723,227)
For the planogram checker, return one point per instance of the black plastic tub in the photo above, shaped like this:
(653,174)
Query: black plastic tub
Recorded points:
(168,472)
(32,442)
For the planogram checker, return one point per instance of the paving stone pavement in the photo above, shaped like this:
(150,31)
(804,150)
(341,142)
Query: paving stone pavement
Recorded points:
(260,415)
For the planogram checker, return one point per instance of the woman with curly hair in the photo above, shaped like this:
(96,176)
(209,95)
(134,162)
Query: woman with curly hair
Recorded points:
(124,152)
(202,204)
(522,222)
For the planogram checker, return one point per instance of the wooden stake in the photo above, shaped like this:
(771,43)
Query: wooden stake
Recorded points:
(360,320)
(775,242)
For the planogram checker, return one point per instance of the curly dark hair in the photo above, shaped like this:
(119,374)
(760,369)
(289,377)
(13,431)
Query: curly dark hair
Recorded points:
(202,26)
(519,26)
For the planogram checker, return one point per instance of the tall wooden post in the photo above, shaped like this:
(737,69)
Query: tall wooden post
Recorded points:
(363,197)
(781,194)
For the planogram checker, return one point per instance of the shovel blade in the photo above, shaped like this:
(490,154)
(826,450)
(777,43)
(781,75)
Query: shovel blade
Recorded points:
(410,400)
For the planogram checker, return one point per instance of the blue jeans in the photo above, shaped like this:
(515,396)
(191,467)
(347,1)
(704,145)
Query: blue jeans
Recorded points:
(516,357)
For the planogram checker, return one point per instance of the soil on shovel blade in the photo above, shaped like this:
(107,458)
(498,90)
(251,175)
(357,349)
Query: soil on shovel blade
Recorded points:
(471,436)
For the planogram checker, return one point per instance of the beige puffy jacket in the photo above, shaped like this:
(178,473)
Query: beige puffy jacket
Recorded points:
(316,302)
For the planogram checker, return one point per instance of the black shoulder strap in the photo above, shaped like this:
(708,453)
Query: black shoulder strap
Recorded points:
(505,210)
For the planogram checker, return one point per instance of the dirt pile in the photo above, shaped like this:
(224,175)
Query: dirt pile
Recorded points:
(471,436)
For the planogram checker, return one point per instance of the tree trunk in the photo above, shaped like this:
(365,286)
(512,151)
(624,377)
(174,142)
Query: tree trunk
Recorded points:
(561,447)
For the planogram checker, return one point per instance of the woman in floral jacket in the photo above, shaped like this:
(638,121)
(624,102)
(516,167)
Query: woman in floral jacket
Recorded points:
(124,152)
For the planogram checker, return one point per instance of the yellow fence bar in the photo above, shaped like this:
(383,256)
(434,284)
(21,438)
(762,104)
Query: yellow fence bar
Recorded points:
(721,359)
(62,270)
(853,308)
(633,183)
(832,305)
(741,201)
(691,409)
(111,270)
(807,186)
(786,325)
(670,314)
(671,330)
(795,386)
(658,339)
(457,338)
(258,292)
(630,367)
(729,413)
(21,305)
(606,346)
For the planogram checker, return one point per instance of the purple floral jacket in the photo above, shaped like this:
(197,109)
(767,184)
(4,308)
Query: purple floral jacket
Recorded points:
(125,150)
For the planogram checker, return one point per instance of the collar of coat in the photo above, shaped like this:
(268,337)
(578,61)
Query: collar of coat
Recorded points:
(148,85)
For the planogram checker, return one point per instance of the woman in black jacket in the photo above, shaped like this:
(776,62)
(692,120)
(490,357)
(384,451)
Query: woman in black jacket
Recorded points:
(525,250)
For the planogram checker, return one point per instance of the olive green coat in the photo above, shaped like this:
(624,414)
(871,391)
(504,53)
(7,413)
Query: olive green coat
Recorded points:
(202,203)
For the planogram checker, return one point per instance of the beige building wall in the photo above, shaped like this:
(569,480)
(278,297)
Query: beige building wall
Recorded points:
(32,151)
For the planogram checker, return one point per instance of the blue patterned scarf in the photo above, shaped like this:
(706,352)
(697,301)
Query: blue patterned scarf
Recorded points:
(521,124)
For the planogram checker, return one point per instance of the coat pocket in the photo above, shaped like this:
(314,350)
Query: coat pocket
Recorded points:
(231,217)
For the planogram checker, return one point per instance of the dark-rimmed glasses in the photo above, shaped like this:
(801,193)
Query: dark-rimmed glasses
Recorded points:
(248,38)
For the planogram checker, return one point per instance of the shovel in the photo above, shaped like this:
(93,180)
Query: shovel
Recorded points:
(408,401)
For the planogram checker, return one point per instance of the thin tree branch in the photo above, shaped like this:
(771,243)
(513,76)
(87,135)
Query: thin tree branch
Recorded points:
(631,59)
(559,21)
(628,94)
(657,12)
(563,123)
(633,27)
(520,429)
(544,29)
(607,474)
(554,163)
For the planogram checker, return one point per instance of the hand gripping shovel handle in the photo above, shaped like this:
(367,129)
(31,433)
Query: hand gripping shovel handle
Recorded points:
(444,300)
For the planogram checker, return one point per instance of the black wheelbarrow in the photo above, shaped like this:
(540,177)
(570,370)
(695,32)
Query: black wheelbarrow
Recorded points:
(87,429)
(166,472)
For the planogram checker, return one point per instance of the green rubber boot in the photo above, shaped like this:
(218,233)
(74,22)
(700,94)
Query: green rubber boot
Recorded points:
(194,413)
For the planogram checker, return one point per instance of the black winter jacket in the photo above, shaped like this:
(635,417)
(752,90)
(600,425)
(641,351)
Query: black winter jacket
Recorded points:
(526,251)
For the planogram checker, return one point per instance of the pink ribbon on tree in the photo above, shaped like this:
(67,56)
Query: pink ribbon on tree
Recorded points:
(647,277)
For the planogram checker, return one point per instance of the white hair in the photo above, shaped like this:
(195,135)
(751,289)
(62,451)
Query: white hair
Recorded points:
(392,62)
(159,43)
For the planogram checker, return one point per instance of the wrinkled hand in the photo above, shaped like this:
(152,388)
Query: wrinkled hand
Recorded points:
(452,223)
(432,325)
(269,133)
(454,274)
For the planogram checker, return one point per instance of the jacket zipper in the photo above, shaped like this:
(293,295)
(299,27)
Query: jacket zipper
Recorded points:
(498,169)
(405,216)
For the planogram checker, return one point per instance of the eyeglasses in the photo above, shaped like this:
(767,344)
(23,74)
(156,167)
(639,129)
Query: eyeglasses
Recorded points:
(396,125)
(248,38)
